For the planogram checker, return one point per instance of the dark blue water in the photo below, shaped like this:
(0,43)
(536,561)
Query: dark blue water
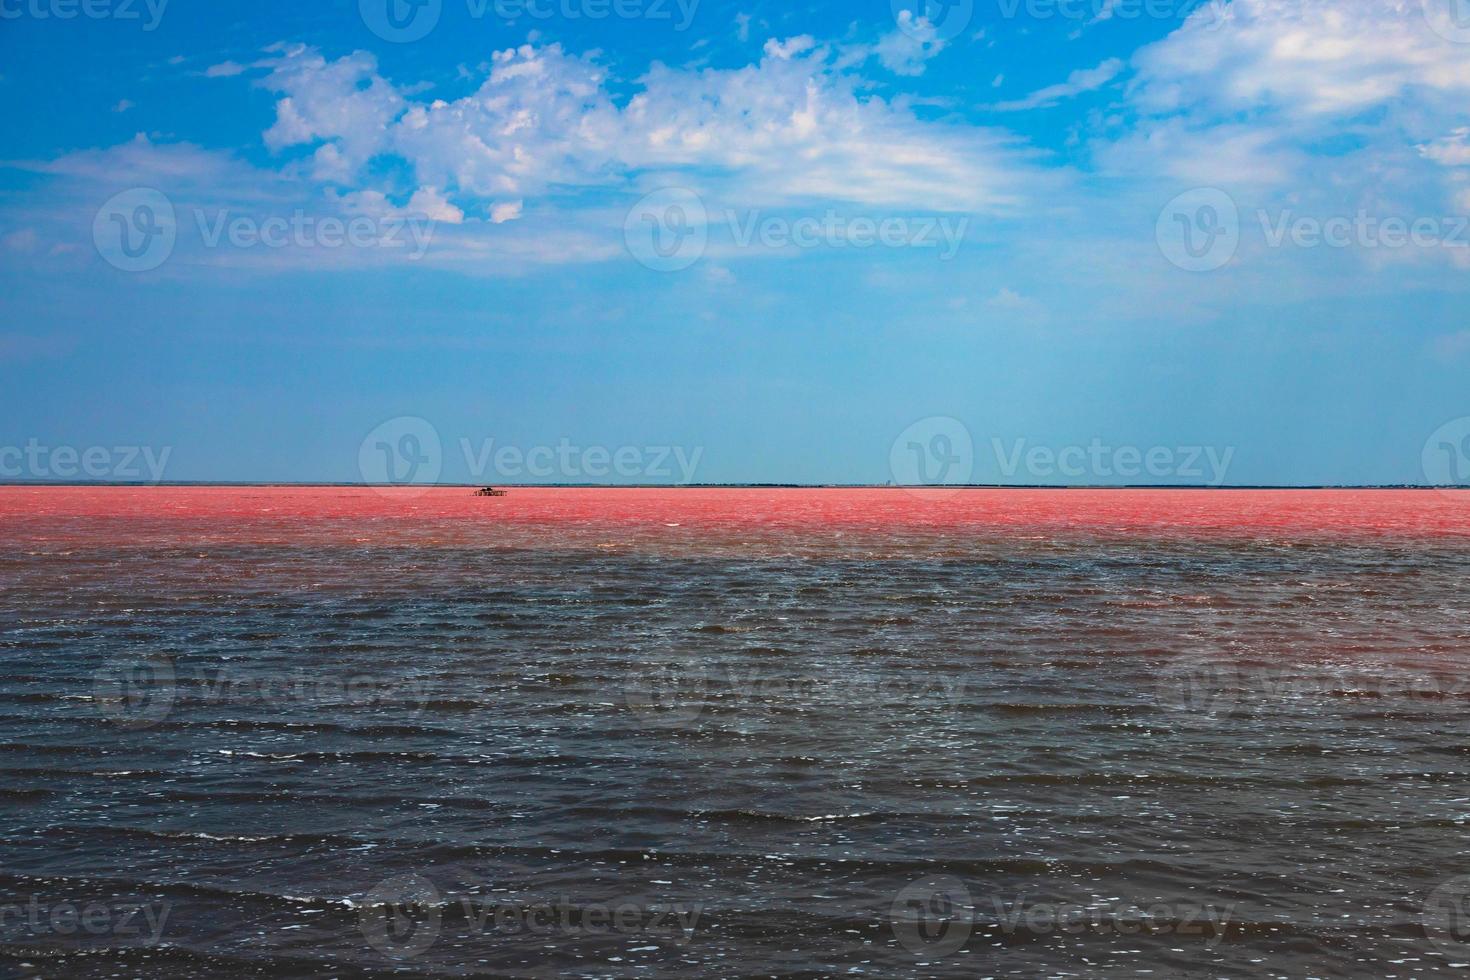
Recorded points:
(980,758)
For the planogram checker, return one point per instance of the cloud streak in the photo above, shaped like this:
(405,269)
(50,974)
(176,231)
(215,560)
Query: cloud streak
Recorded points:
(1077,83)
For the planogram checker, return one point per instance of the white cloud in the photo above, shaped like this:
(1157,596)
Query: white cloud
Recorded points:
(429,202)
(343,102)
(208,188)
(426,202)
(123,105)
(1248,92)
(1303,58)
(1228,153)
(142,163)
(505,211)
(789,48)
(1078,82)
(906,50)
(800,127)
(225,69)
(796,124)
(1449,151)
(539,156)
(540,119)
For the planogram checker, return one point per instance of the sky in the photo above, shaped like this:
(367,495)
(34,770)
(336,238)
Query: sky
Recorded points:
(1040,242)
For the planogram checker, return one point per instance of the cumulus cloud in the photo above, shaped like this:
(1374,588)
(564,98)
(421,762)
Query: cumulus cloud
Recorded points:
(541,118)
(342,104)
(798,123)
(539,159)
(539,152)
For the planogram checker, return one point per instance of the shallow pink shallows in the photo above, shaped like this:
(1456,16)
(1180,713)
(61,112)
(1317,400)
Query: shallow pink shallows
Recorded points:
(327,514)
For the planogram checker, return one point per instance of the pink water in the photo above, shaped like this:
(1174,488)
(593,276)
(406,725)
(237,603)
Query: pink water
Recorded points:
(456,515)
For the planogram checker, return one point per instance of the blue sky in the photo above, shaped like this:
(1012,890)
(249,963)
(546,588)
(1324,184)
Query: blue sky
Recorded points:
(790,242)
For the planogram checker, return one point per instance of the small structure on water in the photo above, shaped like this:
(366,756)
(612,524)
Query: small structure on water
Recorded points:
(489,492)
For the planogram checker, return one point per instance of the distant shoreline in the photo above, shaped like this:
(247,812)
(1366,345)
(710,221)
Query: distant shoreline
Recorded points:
(228,484)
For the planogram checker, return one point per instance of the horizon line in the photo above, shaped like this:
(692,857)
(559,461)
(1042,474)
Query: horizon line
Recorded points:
(224,484)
